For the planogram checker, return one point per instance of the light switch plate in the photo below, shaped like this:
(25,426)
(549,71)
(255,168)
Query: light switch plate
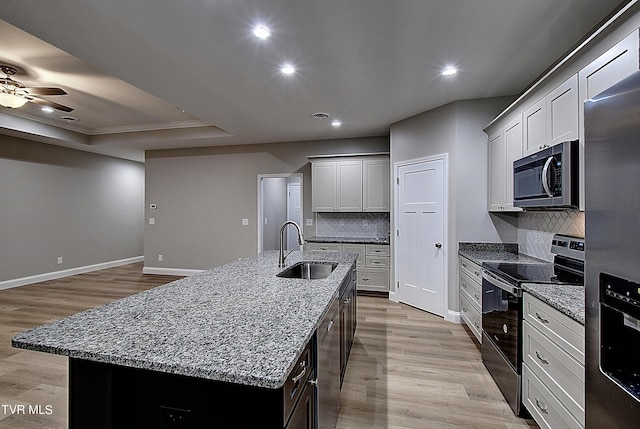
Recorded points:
(309,222)
(245,222)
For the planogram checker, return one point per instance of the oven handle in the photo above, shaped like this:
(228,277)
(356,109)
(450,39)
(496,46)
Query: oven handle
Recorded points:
(498,282)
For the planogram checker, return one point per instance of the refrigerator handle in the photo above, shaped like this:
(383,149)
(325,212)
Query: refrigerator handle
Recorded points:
(545,175)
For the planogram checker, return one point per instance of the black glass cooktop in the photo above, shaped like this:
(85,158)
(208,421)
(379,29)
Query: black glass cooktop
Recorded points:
(534,273)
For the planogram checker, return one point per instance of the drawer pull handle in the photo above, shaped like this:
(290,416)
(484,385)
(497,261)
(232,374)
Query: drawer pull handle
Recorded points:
(464,265)
(377,262)
(476,273)
(477,326)
(540,318)
(541,359)
(464,309)
(365,279)
(464,285)
(303,371)
(476,295)
(541,406)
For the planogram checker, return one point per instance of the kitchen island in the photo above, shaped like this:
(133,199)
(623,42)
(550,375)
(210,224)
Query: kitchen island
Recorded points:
(217,348)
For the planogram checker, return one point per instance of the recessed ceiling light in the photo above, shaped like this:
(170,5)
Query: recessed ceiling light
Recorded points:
(47,109)
(288,69)
(336,123)
(449,71)
(261,32)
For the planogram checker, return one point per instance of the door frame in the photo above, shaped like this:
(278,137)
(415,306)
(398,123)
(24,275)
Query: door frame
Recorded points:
(260,217)
(394,295)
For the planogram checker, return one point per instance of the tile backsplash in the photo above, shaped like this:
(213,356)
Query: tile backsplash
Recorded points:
(354,225)
(536,230)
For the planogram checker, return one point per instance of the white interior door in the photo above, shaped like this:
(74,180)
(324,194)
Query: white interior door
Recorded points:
(420,240)
(294,213)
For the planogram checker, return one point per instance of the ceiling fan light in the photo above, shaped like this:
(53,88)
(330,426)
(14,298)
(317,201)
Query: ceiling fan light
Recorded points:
(12,101)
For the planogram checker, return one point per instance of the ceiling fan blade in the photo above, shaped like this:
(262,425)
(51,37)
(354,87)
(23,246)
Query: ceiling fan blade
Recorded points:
(45,91)
(43,102)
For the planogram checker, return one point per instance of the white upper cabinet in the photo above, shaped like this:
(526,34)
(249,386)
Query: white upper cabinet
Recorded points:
(496,171)
(562,112)
(505,146)
(323,183)
(535,126)
(375,182)
(609,68)
(552,119)
(350,185)
(606,70)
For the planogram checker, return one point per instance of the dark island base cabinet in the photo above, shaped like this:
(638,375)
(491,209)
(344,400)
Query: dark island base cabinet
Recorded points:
(103,396)
(348,320)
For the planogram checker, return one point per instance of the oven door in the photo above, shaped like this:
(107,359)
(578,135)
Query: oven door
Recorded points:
(501,316)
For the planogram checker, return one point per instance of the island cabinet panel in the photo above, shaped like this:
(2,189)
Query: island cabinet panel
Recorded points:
(105,396)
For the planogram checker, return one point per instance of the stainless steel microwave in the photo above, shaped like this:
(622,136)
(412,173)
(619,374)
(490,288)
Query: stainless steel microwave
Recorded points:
(547,179)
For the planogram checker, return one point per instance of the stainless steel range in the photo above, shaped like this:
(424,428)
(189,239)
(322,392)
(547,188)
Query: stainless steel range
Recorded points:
(502,309)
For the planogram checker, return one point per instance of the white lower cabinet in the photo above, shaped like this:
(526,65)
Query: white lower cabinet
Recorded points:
(553,366)
(470,278)
(372,264)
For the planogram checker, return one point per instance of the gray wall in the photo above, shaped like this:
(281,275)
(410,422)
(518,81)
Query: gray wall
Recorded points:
(202,195)
(59,202)
(456,129)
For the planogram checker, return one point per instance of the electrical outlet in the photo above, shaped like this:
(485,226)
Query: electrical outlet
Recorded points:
(160,258)
(309,222)
(59,260)
(174,418)
(245,222)
(152,221)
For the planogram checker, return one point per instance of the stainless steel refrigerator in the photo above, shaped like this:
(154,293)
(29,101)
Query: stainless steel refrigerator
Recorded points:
(612,272)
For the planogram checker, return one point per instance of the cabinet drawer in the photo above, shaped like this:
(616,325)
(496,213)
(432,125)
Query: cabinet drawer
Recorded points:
(545,408)
(377,262)
(471,268)
(561,329)
(471,288)
(561,373)
(323,247)
(378,249)
(373,279)
(471,316)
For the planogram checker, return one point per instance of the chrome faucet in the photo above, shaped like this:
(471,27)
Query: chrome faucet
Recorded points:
(300,241)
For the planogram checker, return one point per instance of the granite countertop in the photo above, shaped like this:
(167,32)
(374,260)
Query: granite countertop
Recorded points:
(568,299)
(352,240)
(495,252)
(236,323)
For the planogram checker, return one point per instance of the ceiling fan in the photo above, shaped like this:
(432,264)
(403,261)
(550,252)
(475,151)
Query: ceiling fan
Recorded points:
(14,94)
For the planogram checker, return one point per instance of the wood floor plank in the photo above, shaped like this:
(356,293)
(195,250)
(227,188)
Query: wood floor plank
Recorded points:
(408,369)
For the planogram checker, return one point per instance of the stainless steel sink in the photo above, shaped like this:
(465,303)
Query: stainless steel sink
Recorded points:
(309,270)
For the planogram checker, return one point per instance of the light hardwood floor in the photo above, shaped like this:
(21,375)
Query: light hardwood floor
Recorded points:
(408,369)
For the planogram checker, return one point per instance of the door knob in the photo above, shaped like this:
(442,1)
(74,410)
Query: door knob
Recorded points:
(439,245)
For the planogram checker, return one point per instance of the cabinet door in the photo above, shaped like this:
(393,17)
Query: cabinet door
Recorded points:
(562,109)
(349,186)
(375,192)
(513,151)
(304,414)
(534,121)
(610,68)
(356,248)
(496,171)
(323,186)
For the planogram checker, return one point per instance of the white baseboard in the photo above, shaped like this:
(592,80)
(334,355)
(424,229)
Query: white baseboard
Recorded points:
(7,284)
(393,296)
(453,316)
(170,271)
